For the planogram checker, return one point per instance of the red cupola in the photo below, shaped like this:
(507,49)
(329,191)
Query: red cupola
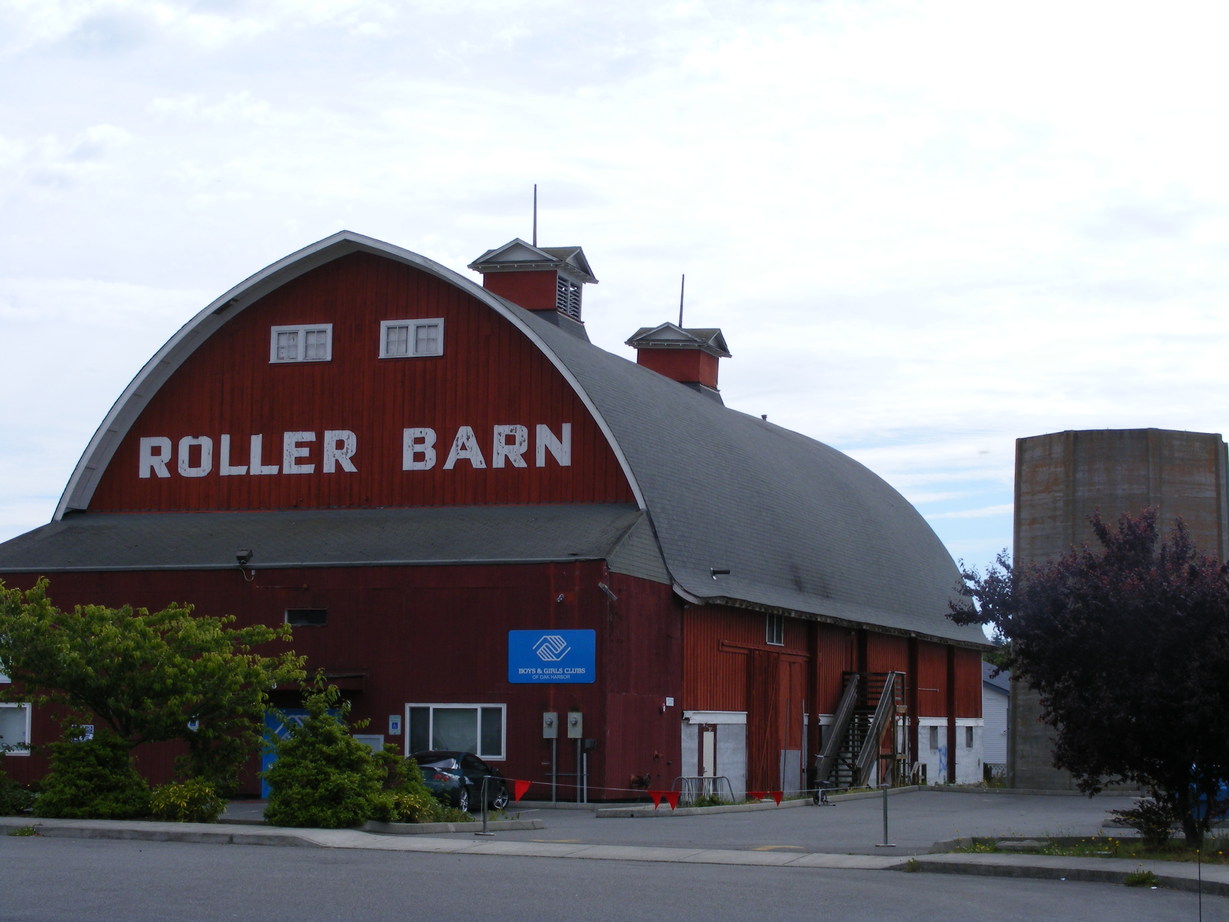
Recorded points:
(536,278)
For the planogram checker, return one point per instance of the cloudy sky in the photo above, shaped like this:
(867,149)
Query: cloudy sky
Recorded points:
(925,228)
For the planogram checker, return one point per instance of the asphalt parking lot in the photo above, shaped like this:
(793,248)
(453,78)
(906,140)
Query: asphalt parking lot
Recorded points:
(918,821)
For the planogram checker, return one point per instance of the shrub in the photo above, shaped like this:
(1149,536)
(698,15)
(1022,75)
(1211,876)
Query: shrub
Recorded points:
(92,779)
(324,777)
(14,799)
(192,801)
(1152,818)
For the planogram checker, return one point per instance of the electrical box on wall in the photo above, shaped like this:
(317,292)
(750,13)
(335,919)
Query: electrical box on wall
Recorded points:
(550,725)
(576,725)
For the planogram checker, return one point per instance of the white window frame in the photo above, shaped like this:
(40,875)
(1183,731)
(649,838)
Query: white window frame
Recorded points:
(412,328)
(21,747)
(301,330)
(489,756)
(774,630)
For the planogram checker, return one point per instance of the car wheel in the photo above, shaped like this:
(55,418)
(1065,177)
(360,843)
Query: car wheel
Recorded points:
(500,800)
(462,799)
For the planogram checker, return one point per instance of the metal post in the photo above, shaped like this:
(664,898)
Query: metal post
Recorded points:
(554,770)
(885,843)
(482,794)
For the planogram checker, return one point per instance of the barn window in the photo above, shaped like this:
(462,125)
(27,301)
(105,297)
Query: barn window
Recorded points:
(774,630)
(477,728)
(968,737)
(934,739)
(14,729)
(307,617)
(409,338)
(301,343)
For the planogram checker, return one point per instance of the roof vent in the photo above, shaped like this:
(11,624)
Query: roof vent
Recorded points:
(689,356)
(536,278)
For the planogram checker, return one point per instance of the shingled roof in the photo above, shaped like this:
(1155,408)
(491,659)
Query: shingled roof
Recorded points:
(731,510)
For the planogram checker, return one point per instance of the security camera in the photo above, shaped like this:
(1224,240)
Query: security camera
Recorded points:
(243,557)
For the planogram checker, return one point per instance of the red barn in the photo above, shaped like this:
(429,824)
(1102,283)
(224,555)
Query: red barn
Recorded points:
(476,519)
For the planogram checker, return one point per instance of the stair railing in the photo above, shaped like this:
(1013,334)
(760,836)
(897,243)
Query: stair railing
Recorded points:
(870,745)
(838,728)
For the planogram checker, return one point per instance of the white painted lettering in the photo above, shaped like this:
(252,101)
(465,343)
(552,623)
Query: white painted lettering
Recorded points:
(186,444)
(293,450)
(257,466)
(193,455)
(509,442)
(225,468)
(339,448)
(155,452)
(560,448)
(417,449)
(465,446)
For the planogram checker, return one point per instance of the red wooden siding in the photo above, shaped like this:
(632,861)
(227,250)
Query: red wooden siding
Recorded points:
(439,635)
(717,642)
(931,680)
(886,653)
(836,648)
(489,375)
(688,365)
(968,682)
(534,290)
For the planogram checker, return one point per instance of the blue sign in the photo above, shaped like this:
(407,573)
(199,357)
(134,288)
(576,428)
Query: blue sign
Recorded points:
(552,656)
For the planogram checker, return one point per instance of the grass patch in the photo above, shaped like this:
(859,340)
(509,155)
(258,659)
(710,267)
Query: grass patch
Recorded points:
(1215,851)
(1141,878)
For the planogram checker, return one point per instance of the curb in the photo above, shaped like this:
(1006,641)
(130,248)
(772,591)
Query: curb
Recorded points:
(1166,879)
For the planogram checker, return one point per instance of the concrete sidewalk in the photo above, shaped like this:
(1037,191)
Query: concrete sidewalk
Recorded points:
(792,834)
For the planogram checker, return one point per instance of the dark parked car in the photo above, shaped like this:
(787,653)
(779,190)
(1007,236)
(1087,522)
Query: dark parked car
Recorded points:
(459,775)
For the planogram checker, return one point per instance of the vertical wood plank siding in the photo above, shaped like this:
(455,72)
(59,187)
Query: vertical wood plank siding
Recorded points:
(439,634)
(489,375)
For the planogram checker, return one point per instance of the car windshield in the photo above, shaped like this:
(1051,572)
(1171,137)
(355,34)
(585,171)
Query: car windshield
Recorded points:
(437,759)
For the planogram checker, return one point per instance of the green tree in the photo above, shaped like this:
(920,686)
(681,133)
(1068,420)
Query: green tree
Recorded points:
(148,676)
(1128,648)
(323,777)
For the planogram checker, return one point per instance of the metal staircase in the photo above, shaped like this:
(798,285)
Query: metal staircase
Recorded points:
(869,706)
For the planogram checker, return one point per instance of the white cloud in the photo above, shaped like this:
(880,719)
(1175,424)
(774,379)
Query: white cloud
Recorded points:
(926,229)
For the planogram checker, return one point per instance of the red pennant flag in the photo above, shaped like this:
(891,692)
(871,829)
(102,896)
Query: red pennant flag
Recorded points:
(672,798)
(776,796)
(656,795)
(758,795)
(518,789)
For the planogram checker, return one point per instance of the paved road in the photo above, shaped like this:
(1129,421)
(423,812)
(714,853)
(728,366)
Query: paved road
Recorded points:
(100,880)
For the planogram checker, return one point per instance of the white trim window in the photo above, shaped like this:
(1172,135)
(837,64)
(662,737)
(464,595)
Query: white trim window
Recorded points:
(14,729)
(476,728)
(304,343)
(774,630)
(401,339)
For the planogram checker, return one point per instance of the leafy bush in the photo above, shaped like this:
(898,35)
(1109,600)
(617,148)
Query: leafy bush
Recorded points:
(14,799)
(1152,818)
(92,779)
(192,801)
(324,777)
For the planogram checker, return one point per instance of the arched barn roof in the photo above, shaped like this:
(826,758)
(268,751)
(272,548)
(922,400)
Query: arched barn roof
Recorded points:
(731,509)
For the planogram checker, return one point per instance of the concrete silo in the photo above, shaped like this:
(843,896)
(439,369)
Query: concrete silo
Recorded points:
(1062,479)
